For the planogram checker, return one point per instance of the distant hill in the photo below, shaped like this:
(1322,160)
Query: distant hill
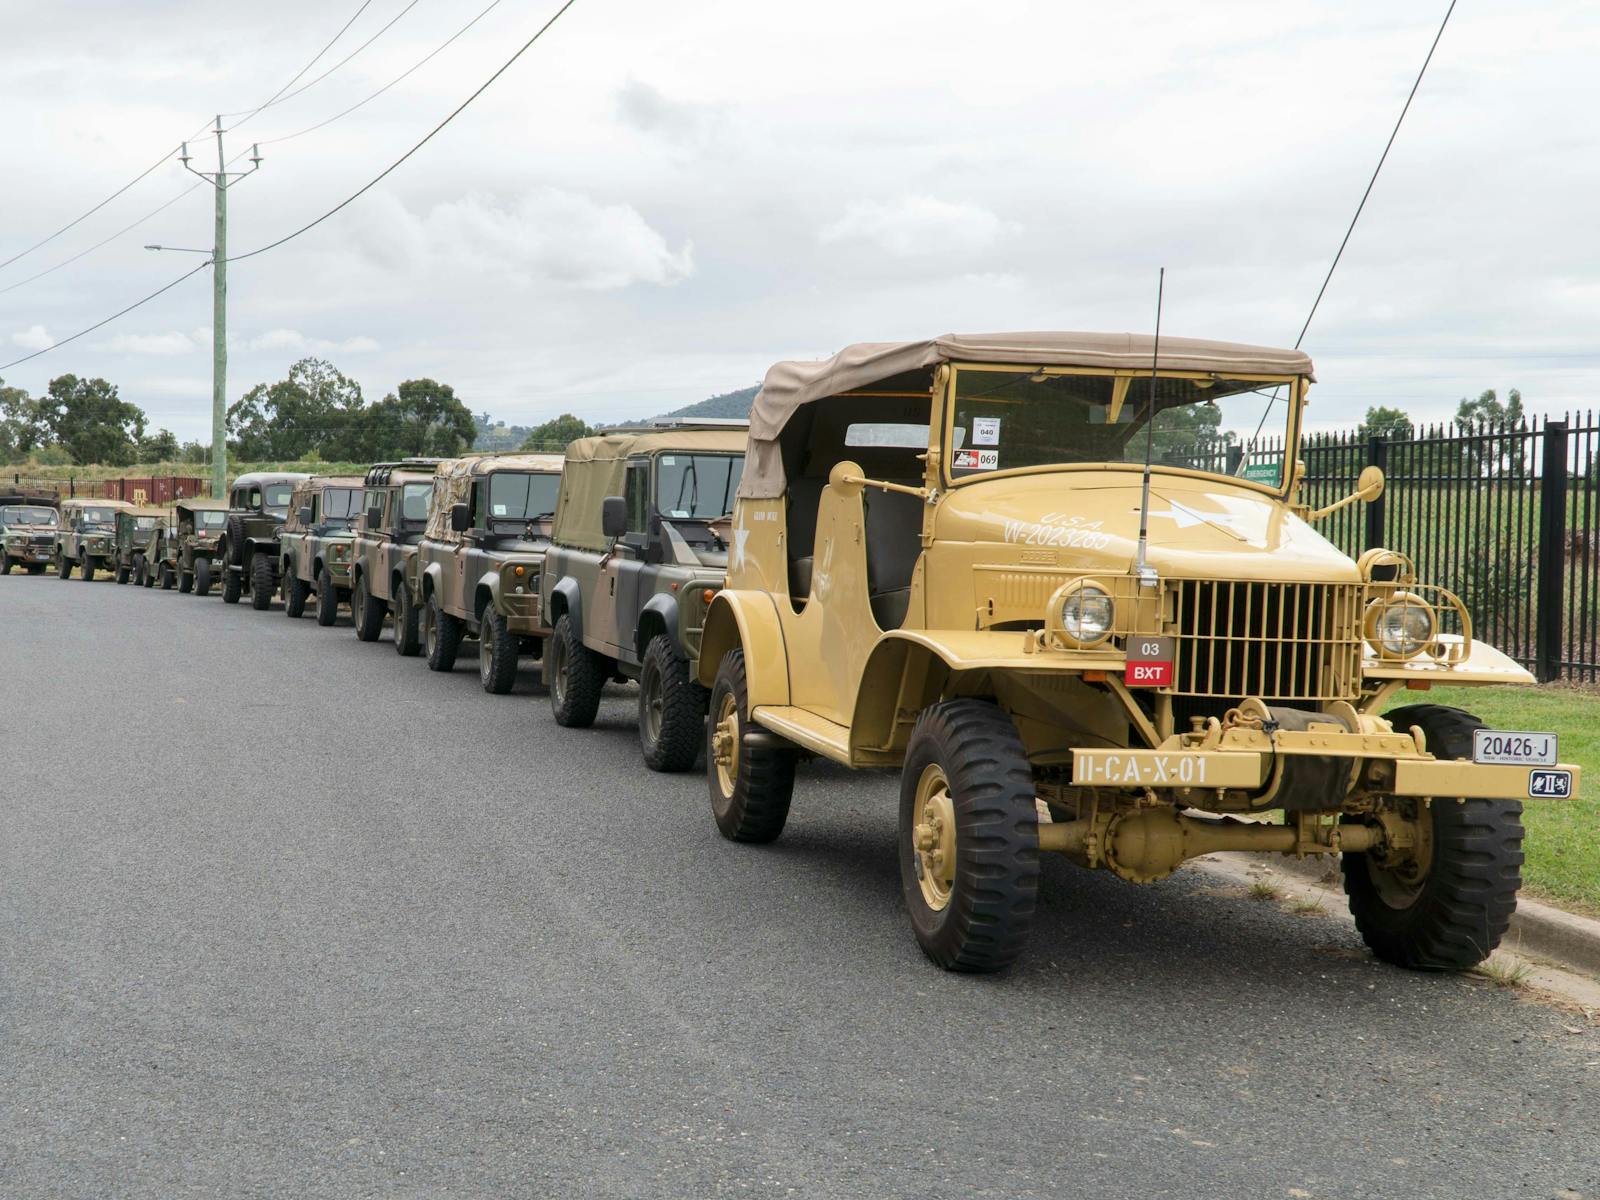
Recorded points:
(729,404)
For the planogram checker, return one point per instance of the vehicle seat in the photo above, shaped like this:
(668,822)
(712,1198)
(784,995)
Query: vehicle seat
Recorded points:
(894,543)
(800,579)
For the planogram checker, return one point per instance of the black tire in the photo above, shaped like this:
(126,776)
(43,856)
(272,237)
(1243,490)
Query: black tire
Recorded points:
(407,624)
(232,585)
(185,581)
(441,636)
(168,578)
(141,572)
(751,790)
(497,654)
(263,581)
(574,675)
(123,575)
(5,563)
(672,708)
(86,567)
(296,592)
(233,542)
(63,566)
(202,576)
(366,612)
(35,568)
(974,914)
(327,598)
(1451,915)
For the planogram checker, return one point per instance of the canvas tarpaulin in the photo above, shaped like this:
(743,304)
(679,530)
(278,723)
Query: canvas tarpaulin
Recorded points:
(791,385)
(452,484)
(595,468)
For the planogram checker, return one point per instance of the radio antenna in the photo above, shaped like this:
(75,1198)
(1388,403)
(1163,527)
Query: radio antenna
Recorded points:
(1142,570)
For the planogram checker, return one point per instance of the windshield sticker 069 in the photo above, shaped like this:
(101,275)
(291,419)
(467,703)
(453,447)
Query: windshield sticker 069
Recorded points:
(977,460)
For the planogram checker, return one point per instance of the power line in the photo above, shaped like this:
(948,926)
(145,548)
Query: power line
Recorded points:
(106,321)
(1381,159)
(272,99)
(375,180)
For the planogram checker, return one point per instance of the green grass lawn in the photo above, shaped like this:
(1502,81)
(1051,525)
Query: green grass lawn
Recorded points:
(1563,844)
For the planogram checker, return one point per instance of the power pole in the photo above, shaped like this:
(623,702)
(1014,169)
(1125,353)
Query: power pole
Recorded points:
(221,181)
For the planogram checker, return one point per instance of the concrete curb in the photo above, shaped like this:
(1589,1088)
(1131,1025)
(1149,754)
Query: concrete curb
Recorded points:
(1537,930)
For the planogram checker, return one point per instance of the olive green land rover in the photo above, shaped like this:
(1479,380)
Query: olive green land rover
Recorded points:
(383,558)
(638,549)
(85,536)
(314,546)
(28,525)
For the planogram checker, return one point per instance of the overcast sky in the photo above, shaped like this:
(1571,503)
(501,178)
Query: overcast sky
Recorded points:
(659,200)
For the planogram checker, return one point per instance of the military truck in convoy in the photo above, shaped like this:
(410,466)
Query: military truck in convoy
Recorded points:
(138,535)
(85,534)
(28,524)
(479,560)
(638,549)
(192,548)
(383,557)
(315,543)
(258,505)
(946,561)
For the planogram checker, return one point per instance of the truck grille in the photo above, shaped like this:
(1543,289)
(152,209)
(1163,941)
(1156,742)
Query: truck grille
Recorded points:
(1278,641)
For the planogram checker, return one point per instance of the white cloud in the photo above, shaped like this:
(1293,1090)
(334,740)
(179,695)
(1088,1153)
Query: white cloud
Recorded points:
(35,337)
(293,341)
(916,226)
(153,343)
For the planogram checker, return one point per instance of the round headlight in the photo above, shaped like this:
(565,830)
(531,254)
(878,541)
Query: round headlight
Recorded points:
(1402,626)
(1087,615)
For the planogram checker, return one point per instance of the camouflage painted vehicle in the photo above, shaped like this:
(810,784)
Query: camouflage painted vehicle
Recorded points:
(314,547)
(383,567)
(258,505)
(193,547)
(638,549)
(28,524)
(479,559)
(85,534)
(138,535)
(951,559)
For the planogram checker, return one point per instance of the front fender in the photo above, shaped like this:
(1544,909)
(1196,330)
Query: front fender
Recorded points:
(571,603)
(431,580)
(666,607)
(747,620)
(1482,664)
(486,595)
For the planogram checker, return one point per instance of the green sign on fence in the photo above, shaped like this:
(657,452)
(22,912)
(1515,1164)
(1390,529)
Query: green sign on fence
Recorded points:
(1264,472)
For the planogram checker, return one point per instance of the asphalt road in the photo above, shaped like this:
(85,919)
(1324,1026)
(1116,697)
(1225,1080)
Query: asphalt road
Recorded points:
(285,914)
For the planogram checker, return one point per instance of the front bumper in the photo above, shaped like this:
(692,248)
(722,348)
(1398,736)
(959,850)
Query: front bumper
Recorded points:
(23,553)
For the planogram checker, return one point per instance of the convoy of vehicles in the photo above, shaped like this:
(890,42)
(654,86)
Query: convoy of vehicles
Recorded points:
(136,545)
(479,559)
(314,546)
(85,534)
(28,524)
(639,547)
(1065,585)
(383,558)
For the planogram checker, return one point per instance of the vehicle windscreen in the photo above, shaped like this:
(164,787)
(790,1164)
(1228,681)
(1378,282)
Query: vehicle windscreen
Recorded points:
(414,501)
(144,524)
(522,496)
(341,506)
(99,516)
(697,486)
(275,499)
(1007,419)
(27,515)
(210,519)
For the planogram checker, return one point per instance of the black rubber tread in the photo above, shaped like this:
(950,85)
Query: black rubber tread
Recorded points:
(86,567)
(202,576)
(683,708)
(63,567)
(497,654)
(296,592)
(759,806)
(233,542)
(168,579)
(185,581)
(366,612)
(1465,904)
(232,585)
(996,889)
(141,573)
(36,568)
(407,630)
(263,581)
(575,697)
(5,563)
(442,636)
(327,598)
(123,575)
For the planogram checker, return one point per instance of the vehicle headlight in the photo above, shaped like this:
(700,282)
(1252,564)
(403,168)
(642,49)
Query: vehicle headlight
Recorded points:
(1401,626)
(1087,615)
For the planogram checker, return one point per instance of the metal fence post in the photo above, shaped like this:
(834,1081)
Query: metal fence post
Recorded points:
(1377,456)
(1552,552)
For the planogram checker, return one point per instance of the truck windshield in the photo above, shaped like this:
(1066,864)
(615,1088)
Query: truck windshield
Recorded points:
(27,516)
(209,519)
(414,501)
(1009,418)
(275,499)
(522,495)
(697,486)
(99,516)
(340,506)
(144,523)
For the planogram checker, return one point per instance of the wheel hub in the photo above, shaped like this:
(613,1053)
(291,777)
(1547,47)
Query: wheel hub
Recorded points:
(933,838)
(725,744)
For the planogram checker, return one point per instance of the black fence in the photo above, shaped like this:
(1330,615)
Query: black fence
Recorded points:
(1507,518)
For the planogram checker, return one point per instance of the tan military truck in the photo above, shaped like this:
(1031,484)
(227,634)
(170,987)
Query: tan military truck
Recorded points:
(314,546)
(937,567)
(383,568)
(479,559)
(28,524)
(85,537)
(258,505)
(638,548)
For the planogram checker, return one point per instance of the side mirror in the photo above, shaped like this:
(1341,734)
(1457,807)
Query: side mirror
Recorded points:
(460,517)
(1369,484)
(374,516)
(304,514)
(613,517)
